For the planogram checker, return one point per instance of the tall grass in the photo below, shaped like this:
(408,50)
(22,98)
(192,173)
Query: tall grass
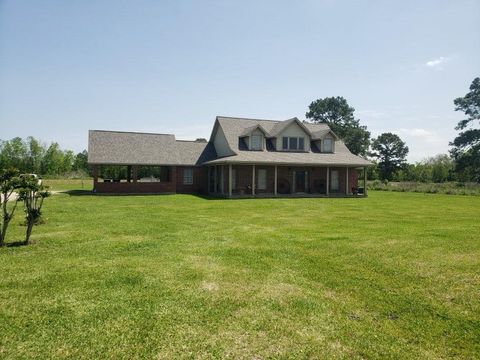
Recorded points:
(451,188)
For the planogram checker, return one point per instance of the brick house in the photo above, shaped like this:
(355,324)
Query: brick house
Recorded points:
(243,158)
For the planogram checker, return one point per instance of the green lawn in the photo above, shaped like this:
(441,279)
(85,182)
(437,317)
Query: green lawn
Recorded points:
(68,184)
(395,275)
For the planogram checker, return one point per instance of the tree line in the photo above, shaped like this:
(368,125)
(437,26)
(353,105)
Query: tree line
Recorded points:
(32,156)
(389,152)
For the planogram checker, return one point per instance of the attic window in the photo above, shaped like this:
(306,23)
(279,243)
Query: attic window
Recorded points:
(293,143)
(327,145)
(256,142)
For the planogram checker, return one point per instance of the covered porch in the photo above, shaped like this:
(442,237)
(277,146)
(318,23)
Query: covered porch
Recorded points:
(258,180)
(130,179)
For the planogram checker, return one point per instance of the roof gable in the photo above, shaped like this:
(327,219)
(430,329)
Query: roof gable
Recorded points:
(318,135)
(282,125)
(251,129)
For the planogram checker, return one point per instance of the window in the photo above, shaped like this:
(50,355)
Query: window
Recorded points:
(262,179)
(327,145)
(301,144)
(187,176)
(335,184)
(234,179)
(293,143)
(256,142)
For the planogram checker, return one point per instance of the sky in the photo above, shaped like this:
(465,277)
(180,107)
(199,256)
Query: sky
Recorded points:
(172,66)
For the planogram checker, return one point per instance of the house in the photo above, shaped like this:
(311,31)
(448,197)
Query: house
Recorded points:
(243,158)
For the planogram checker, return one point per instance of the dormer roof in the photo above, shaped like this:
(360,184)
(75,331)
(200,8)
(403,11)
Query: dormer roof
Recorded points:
(251,129)
(282,125)
(322,133)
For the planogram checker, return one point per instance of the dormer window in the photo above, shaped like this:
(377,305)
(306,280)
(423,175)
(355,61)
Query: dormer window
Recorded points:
(327,145)
(301,143)
(293,143)
(256,142)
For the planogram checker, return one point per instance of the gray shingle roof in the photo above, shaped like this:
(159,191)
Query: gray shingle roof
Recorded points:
(235,127)
(129,148)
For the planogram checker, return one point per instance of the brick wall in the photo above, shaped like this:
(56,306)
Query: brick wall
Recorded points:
(318,180)
(353,175)
(200,180)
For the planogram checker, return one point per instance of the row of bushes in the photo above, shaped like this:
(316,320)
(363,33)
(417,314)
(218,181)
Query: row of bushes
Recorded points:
(452,188)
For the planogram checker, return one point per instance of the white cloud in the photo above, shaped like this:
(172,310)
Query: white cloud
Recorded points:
(420,133)
(437,63)
(422,143)
(374,114)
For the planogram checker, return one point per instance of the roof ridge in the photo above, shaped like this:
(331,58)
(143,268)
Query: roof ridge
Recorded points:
(243,118)
(133,132)
(192,141)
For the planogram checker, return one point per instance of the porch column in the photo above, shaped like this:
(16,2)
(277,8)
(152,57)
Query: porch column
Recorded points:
(275,183)
(208,179)
(328,181)
(135,173)
(230,180)
(222,180)
(215,181)
(95,173)
(174,178)
(129,173)
(346,181)
(364,181)
(253,180)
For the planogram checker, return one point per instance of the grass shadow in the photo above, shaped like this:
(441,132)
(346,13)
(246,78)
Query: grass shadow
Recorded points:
(77,192)
(16,244)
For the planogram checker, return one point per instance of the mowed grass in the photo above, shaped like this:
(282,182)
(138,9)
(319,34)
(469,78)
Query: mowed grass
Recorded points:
(395,275)
(68,184)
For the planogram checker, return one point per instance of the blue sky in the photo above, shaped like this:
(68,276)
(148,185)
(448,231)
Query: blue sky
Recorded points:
(172,66)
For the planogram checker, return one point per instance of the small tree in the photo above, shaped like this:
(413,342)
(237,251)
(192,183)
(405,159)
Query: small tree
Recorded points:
(391,152)
(9,181)
(32,193)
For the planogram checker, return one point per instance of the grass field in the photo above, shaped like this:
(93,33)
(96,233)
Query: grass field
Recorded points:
(395,275)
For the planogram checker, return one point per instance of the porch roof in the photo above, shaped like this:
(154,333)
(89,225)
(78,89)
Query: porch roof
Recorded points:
(341,157)
(288,158)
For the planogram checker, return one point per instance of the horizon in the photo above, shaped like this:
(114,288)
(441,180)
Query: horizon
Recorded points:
(171,67)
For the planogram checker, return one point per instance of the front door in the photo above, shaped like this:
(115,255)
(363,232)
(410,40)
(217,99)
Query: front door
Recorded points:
(300,181)
(334,186)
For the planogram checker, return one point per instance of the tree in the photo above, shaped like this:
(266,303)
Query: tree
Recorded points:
(9,181)
(466,146)
(53,160)
(14,154)
(67,162)
(391,152)
(442,168)
(339,116)
(35,155)
(81,161)
(32,193)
